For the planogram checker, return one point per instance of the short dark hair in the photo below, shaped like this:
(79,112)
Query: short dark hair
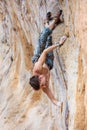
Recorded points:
(34,82)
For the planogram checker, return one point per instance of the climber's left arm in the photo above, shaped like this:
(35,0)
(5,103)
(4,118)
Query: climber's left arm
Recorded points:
(50,95)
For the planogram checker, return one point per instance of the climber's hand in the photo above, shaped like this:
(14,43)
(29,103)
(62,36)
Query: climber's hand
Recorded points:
(57,103)
(62,40)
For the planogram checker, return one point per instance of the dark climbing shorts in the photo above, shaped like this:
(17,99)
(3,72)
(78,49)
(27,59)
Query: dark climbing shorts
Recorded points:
(44,41)
(49,60)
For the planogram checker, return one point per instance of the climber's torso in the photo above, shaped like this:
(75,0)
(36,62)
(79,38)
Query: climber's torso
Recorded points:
(43,73)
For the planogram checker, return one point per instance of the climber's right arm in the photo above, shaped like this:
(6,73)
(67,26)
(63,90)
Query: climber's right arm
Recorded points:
(47,91)
(42,58)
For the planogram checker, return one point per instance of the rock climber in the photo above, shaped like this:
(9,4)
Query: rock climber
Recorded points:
(45,38)
(43,61)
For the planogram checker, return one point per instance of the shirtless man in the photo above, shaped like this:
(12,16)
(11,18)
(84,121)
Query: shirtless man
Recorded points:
(44,63)
(41,74)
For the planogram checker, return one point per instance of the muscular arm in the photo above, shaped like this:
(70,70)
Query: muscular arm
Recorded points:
(50,95)
(42,58)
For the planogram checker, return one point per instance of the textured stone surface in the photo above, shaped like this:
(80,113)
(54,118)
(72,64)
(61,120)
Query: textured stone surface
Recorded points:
(21,108)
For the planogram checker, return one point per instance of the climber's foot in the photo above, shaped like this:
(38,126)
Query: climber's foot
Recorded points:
(57,17)
(49,16)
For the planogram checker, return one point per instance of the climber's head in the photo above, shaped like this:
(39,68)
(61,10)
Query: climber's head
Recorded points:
(34,82)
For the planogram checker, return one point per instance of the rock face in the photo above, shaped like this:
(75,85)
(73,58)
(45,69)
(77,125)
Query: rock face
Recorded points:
(21,108)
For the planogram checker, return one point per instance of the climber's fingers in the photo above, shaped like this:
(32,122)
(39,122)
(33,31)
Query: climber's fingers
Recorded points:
(60,105)
(62,39)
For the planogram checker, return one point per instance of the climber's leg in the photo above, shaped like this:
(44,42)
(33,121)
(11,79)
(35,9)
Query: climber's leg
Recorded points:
(43,37)
(41,43)
(50,61)
(42,40)
(49,41)
(50,55)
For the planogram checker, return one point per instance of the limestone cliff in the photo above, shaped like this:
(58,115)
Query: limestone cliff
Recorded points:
(21,108)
